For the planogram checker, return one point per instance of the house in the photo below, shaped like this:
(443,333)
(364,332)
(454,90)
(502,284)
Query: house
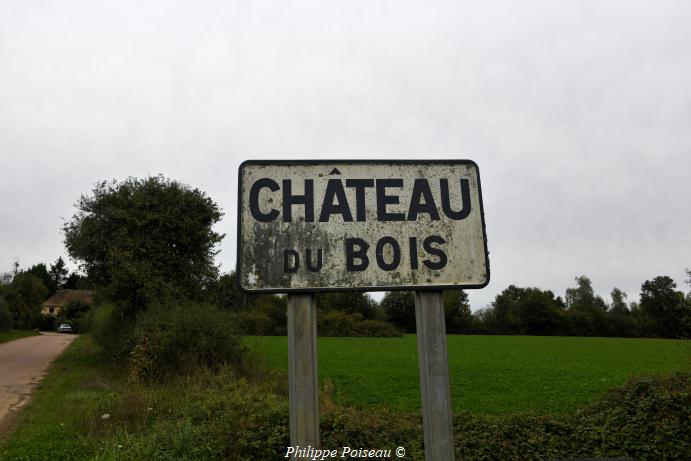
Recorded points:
(61,298)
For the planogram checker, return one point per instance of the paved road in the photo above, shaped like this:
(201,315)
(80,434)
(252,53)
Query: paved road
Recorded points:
(22,364)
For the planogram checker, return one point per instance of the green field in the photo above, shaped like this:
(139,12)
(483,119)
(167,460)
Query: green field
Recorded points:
(489,374)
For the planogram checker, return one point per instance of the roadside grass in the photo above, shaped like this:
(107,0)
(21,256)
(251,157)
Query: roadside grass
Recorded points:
(87,409)
(11,335)
(489,375)
(75,385)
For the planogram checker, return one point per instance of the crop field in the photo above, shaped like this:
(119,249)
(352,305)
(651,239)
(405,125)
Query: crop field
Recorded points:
(488,374)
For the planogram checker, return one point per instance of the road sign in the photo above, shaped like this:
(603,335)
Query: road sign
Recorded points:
(306,226)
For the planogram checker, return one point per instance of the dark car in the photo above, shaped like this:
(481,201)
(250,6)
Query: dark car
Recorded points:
(65,328)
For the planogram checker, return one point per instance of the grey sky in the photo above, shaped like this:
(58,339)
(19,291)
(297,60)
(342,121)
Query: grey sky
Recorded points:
(577,112)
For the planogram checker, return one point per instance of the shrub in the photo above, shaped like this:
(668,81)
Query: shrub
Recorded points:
(46,322)
(112,330)
(338,323)
(646,418)
(253,322)
(378,328)
(181,338)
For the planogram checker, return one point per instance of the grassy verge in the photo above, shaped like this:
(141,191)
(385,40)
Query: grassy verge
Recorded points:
(489,374)
(11,335)
(85,411)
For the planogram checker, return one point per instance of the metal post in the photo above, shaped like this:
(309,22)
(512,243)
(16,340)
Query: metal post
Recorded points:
(434,376)
(302,370)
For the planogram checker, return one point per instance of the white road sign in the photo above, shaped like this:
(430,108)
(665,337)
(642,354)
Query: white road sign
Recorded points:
(362,225)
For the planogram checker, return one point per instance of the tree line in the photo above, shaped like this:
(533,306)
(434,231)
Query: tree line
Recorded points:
(21,299)
(662,311)
(149,243)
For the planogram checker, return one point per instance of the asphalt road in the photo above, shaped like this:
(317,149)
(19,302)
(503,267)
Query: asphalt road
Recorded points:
(23,363)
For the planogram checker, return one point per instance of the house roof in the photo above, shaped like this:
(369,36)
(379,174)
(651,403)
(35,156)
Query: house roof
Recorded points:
(61,298)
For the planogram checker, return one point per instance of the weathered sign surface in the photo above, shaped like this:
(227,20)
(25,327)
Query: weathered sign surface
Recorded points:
(364,225)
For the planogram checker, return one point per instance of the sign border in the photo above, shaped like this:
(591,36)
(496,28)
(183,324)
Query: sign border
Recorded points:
(238,262)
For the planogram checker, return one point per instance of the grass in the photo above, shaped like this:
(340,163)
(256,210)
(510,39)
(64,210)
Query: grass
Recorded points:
(86,409)
(489,374)
(73,386)
(11,335)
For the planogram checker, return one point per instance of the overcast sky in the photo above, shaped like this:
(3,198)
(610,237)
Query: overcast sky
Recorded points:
(578,114)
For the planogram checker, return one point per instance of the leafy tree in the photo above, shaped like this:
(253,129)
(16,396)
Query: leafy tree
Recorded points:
(226,294)
(485,319)
(619,301)
(665,307)
(58,272)
(399,308)
(585,311)
(274,308)
(145,241)
(41,272)
(622,321)
(527,311)
(74,310)
(76,282)
(350,302)
(583,297)
(458,316)
(24,297)
(506,312)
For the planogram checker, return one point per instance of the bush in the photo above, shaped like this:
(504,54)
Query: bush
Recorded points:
(377,328)
(112,330)
(338,323)
(180,339)
(253,322)
(646,418)
(6,322)
(47,322)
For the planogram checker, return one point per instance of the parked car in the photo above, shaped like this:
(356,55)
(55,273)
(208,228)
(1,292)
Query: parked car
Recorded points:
(65,328)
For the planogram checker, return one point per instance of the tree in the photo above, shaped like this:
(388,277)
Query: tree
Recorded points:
(6,320)
(526,311)
(619,301)
(58,273)
(458,316)
(665,307)
(506,312)
(583,297)
(399,308)
(350,302)
(585,311)
(24,297)
(226,294)
(145,241)
(622,321)
(76,282)
(41,272)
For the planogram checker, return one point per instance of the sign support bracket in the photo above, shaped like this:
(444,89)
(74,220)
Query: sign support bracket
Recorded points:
(437,419)
(302,370)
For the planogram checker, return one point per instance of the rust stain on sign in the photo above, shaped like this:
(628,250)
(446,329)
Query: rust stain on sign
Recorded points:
(339,225)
